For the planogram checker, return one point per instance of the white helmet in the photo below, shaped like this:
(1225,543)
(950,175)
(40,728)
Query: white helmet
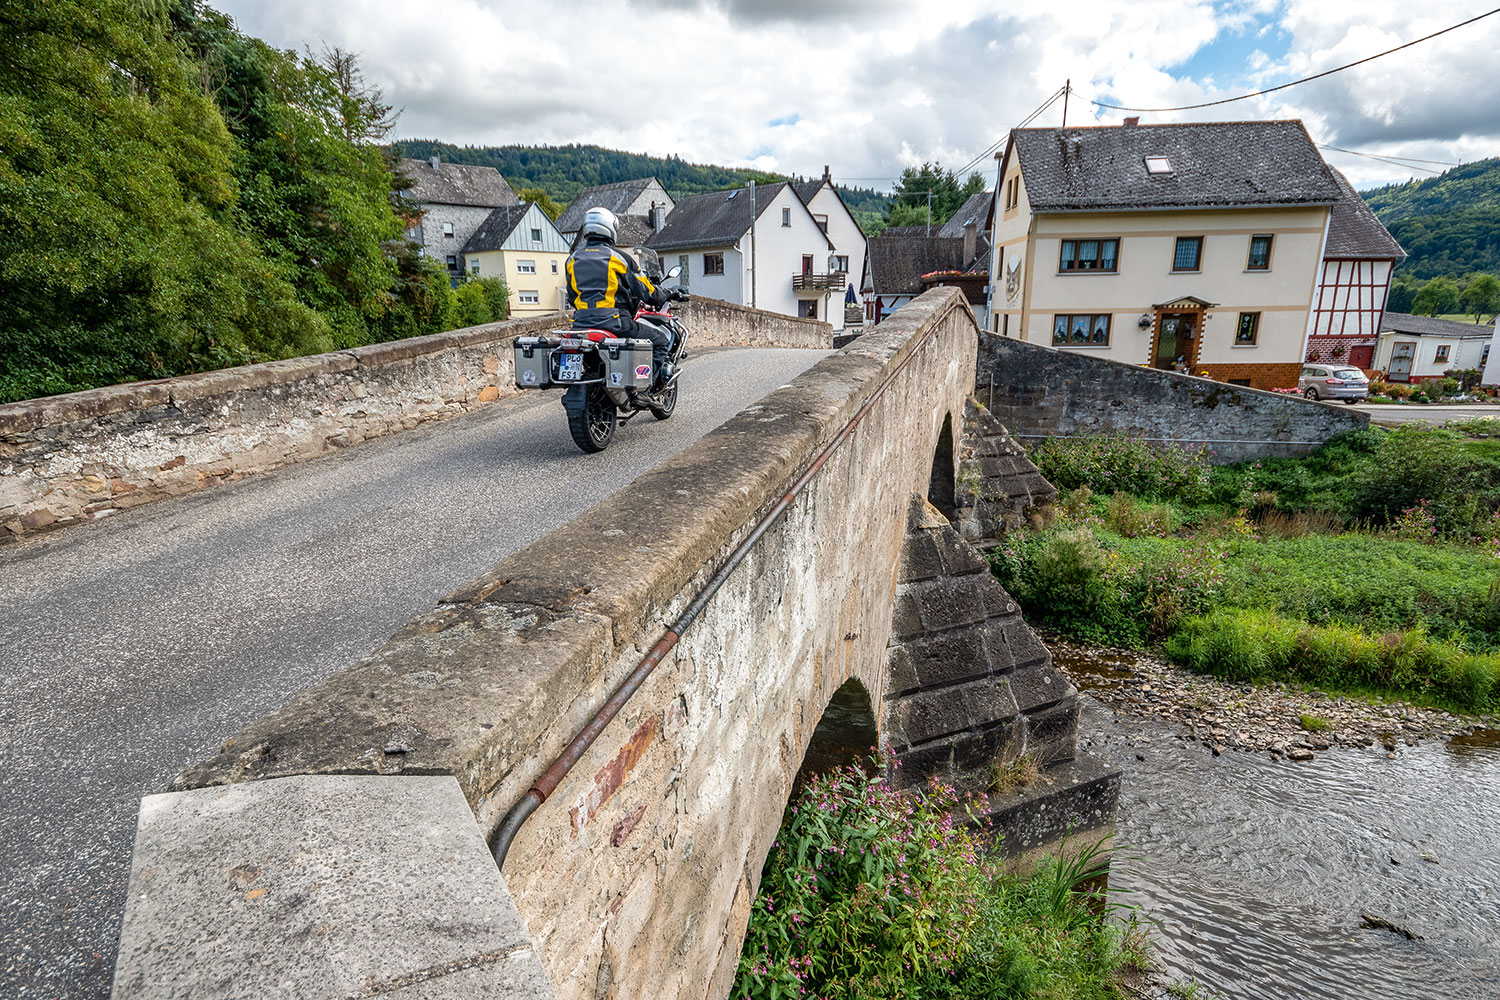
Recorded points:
(600,222)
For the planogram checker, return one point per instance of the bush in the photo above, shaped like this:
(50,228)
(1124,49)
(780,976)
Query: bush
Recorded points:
(1130,517)
(497,294)
(869,893)
(1252,645)
(1112,464)
(473,305)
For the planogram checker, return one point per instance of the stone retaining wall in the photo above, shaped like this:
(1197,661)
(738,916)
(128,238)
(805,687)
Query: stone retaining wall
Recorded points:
(86,455)
(1040,392)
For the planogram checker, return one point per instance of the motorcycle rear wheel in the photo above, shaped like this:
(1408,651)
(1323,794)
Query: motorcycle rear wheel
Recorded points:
(591,417)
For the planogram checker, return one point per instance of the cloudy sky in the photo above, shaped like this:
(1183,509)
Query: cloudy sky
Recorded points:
(872,86)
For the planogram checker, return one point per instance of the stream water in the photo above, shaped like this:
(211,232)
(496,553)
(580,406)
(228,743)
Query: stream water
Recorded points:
(1258,872)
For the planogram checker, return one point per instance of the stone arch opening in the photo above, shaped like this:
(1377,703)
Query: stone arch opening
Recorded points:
(942,487)
(844,735)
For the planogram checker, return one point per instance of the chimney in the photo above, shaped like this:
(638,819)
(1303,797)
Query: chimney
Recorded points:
(1132,121)
(434,161)
(971,241)
(826,177)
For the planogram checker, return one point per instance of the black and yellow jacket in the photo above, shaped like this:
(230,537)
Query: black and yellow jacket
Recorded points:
(606,286)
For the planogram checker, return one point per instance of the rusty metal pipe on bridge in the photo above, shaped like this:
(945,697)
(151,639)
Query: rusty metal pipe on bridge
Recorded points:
(546,784)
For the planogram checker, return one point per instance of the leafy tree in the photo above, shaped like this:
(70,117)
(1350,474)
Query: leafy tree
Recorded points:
(1481,296)
(1403,290)
(1437,296)
(542,200)
(909,205)
(473,305)
(497,294)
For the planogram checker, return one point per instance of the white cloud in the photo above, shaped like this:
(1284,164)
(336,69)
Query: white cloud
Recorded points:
(880,84)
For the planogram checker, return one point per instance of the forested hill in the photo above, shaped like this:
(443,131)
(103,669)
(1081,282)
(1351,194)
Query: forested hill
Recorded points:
(1449,224)
(564,171)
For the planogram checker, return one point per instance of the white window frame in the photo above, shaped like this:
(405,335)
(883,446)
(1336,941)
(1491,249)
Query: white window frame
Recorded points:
(526,267)
(474,266)
(554,267)
(529,298)
(447,230)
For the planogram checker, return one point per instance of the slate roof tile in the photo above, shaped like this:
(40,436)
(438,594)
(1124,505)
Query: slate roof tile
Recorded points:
(496,229)
(1431,326)
(457,184)
(716,219)
(1214,165)
(897,263)
(1354,230)
(617,197)
(975,210)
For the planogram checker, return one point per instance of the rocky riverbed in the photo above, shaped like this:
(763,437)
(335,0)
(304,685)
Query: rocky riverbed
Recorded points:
(1282,720)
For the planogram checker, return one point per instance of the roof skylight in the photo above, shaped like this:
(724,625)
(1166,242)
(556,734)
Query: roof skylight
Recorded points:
(1158,165)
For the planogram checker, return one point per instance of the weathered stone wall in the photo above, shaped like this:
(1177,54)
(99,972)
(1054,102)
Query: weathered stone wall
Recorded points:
(87,455)
(716,323)
(636,877)
(1039,392)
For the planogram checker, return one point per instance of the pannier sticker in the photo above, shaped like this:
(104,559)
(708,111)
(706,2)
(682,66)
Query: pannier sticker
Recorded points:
(642,371)
(615,378)
(528,376)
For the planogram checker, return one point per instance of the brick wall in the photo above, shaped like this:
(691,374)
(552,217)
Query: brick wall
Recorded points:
(1039,392)
(1257,376)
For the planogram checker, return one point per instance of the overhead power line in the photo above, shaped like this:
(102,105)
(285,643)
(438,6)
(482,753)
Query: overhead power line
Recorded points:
(1305,79)
(1399,161)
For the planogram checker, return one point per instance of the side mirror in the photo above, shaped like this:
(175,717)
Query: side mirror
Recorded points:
(674,272)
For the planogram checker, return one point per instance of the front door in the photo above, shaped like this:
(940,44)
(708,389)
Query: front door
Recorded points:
(1362,356)
(807,264)
(1401,356)
(1176,348)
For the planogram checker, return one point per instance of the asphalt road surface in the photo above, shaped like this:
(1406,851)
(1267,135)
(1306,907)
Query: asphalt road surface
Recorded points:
(135,645)
(1439,413)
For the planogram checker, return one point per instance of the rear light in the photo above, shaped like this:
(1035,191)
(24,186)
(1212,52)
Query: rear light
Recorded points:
(1334,381)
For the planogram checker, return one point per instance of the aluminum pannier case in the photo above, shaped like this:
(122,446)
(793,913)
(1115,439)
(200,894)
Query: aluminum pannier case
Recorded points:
(627,363)
(532,370)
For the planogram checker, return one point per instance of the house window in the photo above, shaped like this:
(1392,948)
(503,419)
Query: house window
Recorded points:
(526,267)
(1484,356)
(1247,330)
(1089,255)
(1158,165)
(1012,193)
(411,233)
(448,230)
(786,216)
(474,266)
(1260,254)
(713,263)
(529,298)
(452,261)
(1442,353)
(1081,330)
(1189,253)
(536,236)
(822,221)
(682,262)
(841,264)
(554,267)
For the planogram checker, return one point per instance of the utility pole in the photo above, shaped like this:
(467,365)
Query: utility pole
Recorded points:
(929,213)
(1067,89)
(753,268)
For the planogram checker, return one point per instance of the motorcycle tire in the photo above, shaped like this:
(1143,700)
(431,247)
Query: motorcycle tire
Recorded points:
(591,417)
(663,405)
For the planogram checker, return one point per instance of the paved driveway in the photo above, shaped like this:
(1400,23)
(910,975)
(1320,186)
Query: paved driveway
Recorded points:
(134,645)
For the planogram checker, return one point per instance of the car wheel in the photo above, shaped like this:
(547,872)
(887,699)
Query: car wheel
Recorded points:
(1311,393)
(1351,402)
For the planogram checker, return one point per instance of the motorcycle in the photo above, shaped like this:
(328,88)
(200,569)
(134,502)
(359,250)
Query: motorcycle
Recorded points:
(607,379)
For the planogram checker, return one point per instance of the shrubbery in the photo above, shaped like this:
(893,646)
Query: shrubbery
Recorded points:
(1111,464)
(870,894)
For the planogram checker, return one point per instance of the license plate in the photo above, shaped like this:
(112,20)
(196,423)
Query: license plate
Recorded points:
(570,368)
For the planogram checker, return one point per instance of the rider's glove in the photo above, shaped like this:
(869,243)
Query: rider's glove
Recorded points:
(680,294)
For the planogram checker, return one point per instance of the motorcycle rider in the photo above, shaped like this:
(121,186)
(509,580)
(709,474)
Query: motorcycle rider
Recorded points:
(606,286)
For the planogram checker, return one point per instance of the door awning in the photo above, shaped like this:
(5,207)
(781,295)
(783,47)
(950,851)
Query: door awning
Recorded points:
(1187,303)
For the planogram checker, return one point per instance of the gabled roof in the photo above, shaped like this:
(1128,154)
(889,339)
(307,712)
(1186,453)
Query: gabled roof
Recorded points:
(633,231)
(1431,326)
(457,184)
(897,263)
(975,210)
(1212,165)
(807,190)
(617,197)
(496,229)
(716,219)
(1353,229)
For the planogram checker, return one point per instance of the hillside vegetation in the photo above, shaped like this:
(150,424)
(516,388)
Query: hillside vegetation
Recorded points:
(564,171)
(1449,224)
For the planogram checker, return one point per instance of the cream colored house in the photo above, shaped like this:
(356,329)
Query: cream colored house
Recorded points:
(1421,348)
(1188,247)
(522,246)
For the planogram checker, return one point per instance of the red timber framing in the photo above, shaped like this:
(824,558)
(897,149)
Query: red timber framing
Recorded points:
(1347,314)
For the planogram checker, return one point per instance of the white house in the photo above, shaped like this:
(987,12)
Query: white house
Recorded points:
(1349,304)
(1192,247)
(643,198)
(1490,357)
(1418,348)
(834,218)
(775,257)
(452,201)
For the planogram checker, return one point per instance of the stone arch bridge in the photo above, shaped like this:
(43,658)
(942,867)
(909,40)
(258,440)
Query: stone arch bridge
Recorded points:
(338,848)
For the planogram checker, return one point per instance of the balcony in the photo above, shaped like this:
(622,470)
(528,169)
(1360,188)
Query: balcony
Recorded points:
(809,282)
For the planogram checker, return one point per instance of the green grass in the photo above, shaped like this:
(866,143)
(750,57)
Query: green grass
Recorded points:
(1313,723)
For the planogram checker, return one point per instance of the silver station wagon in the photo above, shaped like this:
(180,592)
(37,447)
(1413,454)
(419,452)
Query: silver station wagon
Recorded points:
(1334,382)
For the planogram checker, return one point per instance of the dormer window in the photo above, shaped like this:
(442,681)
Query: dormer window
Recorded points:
(1158,165)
